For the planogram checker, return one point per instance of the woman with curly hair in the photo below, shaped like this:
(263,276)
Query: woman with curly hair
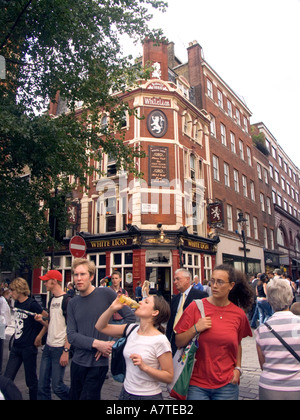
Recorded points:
(217,370)
(28,336)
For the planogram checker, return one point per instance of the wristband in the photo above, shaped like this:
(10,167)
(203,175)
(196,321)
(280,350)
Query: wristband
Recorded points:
(197,332)
(239,369)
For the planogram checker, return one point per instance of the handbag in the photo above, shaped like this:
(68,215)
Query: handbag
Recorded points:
(286,345)
(118,364)
(183,363)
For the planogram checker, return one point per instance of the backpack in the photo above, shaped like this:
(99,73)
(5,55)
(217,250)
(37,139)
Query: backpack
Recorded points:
(64,304)
(118,364)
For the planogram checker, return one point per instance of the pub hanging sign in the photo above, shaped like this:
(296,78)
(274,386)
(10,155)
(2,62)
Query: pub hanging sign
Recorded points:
(216,214)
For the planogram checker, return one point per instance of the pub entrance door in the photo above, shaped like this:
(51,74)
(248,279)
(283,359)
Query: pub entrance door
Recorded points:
(160,279)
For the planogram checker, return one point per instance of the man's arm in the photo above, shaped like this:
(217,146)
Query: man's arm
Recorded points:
(127,314)
(74,337)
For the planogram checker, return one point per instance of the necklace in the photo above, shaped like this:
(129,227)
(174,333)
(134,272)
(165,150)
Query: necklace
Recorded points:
(220,309)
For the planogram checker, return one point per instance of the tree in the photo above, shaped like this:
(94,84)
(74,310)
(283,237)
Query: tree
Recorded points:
(70,47)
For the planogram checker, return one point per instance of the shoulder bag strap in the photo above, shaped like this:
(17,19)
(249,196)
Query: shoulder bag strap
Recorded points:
(126,328)
(200,306)
(286,345)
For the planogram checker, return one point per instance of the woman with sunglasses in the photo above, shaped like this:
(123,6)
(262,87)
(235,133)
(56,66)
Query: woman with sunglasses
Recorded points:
(217,370)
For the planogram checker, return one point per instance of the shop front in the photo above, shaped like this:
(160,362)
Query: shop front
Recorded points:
(142,255)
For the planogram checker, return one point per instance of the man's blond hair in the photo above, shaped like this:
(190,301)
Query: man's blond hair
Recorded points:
(83,261)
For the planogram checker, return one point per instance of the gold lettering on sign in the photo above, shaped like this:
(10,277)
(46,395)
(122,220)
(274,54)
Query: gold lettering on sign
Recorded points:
(118,242)
(109,243)
(196,244)
(157,102)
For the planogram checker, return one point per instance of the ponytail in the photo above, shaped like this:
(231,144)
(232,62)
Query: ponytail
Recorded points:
(161,305)
(241,294)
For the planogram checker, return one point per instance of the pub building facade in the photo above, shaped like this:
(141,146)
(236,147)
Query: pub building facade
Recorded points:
(147,228)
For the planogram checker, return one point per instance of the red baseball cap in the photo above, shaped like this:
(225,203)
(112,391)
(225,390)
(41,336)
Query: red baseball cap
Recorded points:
(52,275)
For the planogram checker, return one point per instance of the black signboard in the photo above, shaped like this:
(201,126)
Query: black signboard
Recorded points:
(159,165)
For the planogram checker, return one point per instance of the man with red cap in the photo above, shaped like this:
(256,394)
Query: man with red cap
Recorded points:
(55,356)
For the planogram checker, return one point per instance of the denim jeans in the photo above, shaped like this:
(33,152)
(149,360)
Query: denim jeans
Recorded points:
(264,310)
(27,356)
(87,382)
(52,371)
(227,392)
(124,395)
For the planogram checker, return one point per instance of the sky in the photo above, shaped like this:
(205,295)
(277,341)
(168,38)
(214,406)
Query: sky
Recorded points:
(254,46)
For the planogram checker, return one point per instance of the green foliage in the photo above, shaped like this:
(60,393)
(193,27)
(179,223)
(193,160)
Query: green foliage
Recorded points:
(260,142)
(72,47)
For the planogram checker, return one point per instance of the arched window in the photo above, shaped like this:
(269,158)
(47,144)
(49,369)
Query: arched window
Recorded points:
(104,120)
(281,239)
(198,132)
(187,124)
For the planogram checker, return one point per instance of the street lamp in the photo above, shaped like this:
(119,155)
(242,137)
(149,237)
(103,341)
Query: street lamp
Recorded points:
(162,234)
(242,224)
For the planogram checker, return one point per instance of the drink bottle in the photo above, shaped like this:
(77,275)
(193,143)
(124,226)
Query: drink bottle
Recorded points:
(128,301)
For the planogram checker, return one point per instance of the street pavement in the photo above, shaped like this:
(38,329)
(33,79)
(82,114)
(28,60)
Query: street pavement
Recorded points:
(111,389)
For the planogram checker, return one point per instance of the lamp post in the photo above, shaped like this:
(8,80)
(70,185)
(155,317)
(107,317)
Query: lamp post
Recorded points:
(242,223)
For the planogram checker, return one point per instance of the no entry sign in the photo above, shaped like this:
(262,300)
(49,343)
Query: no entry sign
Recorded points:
(77,246)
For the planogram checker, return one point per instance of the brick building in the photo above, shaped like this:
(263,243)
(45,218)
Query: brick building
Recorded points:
(283,242)
(148,228)
(202,173)
(233,162)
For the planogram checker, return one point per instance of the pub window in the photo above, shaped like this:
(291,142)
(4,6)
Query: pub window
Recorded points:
(110,214)
(216,174)
(100,263)
(192,167)
(209,89)
(104,121)
(223,134)
(124,119)
(198,133)
(192,262)
(122,262)
(111,166)
(229,108)
(207,267)
(187,124)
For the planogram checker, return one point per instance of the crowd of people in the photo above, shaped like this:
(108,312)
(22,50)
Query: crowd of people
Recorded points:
(83,322)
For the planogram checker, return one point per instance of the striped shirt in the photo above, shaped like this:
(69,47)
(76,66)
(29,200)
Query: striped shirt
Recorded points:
(281,371)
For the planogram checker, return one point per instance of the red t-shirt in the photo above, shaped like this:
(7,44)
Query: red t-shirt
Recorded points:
(218,346)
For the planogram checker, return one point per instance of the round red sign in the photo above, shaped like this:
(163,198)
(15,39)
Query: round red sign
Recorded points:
(77,247)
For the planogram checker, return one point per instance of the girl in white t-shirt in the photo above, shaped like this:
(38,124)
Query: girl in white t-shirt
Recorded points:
(147,352)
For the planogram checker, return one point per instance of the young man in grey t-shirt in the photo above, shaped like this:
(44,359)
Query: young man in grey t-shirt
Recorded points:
(91,348)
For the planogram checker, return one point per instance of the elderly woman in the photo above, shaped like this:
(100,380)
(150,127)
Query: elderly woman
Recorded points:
(280,377)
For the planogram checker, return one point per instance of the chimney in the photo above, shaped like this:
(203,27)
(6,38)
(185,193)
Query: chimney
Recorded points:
(156,53)
(195,58)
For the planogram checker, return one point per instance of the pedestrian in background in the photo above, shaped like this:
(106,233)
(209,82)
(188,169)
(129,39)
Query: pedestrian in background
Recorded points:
(179,302)
(5,320)
(91,349)
(146,289)
(217,370)
(263,306)
(27,338)
(116,285)
(196,284)
(280,377)
(55,355)
(138,292)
